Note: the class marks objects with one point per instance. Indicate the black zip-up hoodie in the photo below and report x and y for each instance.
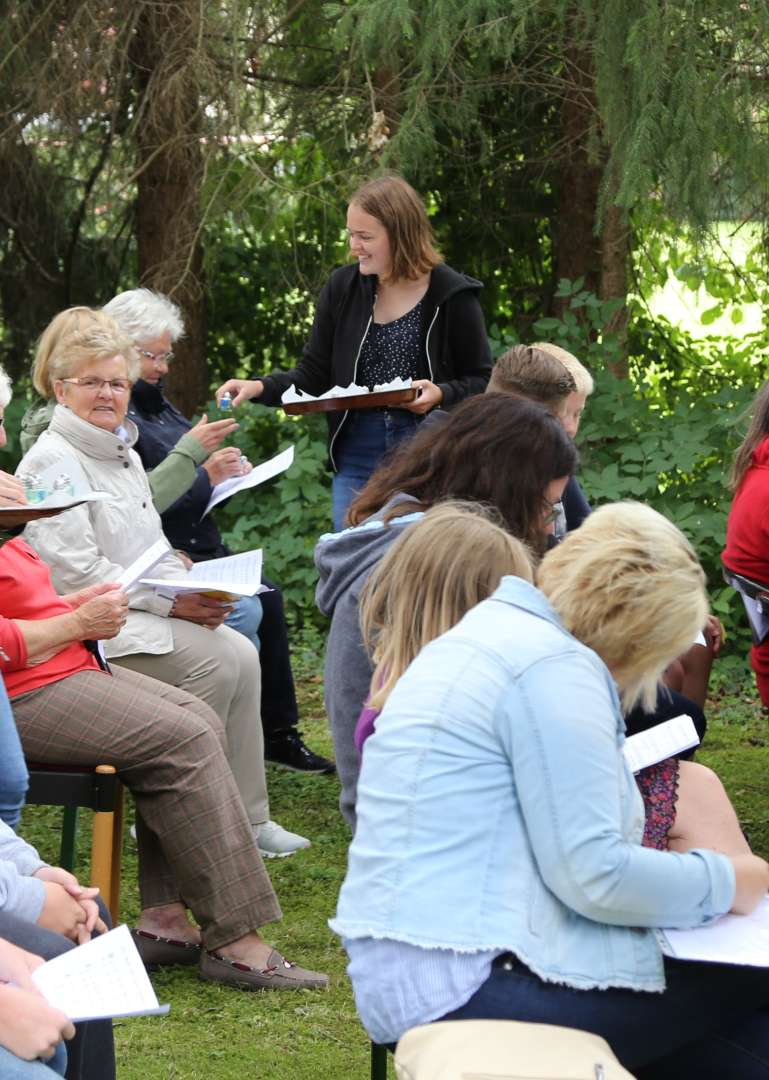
(455, 351)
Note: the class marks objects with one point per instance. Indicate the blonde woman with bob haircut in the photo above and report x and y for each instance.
(397, 311)
(433, 574)
(497, 870)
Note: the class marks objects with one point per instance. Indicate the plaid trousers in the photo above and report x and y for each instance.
(170, 749)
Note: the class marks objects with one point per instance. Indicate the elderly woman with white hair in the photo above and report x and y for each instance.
(167, 636)
(154, 323)
(496, 777)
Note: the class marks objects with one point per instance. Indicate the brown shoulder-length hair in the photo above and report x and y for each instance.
(493, 448)
(396, 205)
(757, 432)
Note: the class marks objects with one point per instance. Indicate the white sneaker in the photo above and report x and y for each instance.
(273, 841)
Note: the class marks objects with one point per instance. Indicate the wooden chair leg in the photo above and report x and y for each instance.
(106, 851)
(378, 1062)
(68, 838)
(117, 858)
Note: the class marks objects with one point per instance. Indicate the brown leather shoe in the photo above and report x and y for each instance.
(157, 951)
(279, 974)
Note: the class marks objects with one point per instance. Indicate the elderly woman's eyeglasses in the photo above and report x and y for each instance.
(95, 386)
(157, 357)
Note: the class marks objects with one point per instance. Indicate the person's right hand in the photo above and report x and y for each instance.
(29, 1027)
(223, 464)
(211, 436)
(11, 490)
(241, 390)
(61, 912)
(204, 610)
(752, 879)
(102, 616)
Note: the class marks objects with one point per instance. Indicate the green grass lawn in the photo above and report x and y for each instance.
(217, 1034)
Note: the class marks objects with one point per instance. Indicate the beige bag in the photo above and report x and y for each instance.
(504, 1050)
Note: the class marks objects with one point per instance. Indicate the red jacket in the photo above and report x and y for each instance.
(747, 530)
(26, 593)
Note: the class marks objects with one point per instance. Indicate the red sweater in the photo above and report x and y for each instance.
(26, 592)
(747, 530)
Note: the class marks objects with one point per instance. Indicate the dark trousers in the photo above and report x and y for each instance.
(711, 1022)
(280, 712)
(91, 1054)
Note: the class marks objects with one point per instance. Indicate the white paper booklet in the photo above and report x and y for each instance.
(293, 395)
(258, 475)
(141, 566)
(732, 939)
(660, 742)
(63, 499)
(104, 978)
(240, 575)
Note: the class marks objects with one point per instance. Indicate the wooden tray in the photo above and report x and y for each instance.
(381, 399)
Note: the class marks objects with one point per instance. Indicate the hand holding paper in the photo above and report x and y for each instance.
(257, 475)
(104, 978)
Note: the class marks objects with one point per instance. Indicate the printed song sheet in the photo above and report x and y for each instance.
(258, 475)
(732, 939)
(660, 742)
(238, 575)
(103, 978)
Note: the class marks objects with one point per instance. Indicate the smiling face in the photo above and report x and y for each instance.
(155, 367)
(104, 407)
(369, 242)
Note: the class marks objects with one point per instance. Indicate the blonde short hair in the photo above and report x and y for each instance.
(438, 569)
(627, 583)
(582, 377)
(95, 342)
(72, 321)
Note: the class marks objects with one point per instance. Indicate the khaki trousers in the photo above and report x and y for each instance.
(195, 841)
(221, 667)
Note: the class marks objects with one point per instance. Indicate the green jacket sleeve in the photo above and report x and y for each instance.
(176, 474)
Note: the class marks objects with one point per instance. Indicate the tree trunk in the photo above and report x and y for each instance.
(577, 245)
(615, 252)
(170, 163)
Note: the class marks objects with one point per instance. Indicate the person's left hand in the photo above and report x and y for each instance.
(430, 396)
(16, 965)
(84, 895)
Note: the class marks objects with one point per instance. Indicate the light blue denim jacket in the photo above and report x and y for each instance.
(496, 811)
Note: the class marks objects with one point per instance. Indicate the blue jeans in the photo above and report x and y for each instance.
(14, 778)
(364, 440)
(15, 1068)
(246, 617)
(711, 1023)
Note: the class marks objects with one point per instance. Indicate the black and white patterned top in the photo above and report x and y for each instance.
(391, 350)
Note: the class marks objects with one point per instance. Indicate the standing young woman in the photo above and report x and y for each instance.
(398, 311)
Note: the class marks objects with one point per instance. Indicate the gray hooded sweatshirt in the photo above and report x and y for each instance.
(344, 561)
